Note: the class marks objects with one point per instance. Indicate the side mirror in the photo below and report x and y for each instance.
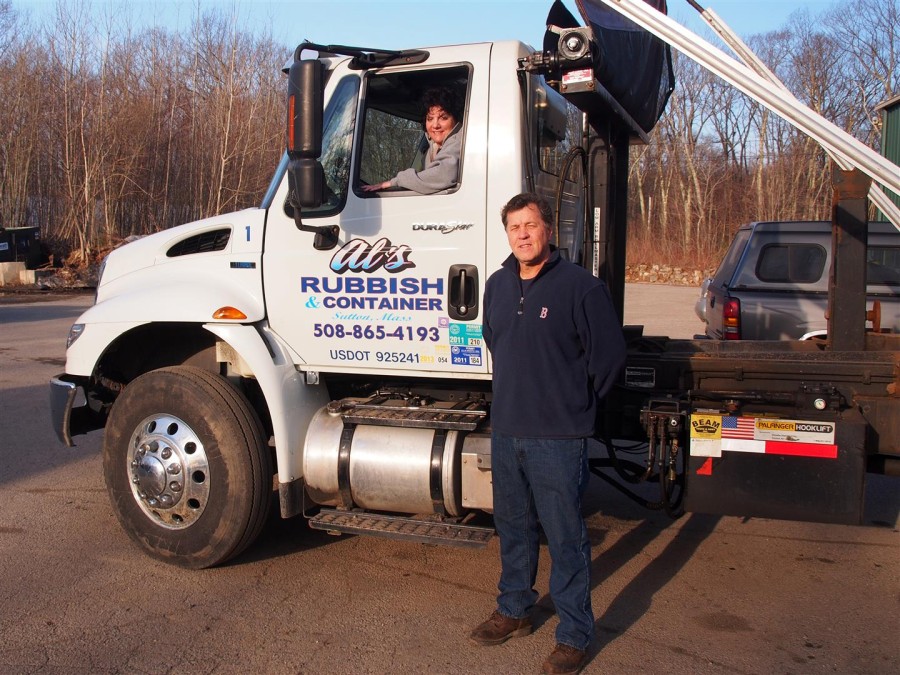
(306, 177)
(306, 182)
(305, 104)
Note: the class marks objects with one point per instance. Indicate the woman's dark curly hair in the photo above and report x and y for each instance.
(445, 98)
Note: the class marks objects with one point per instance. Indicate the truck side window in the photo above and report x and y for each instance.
(555, 130)
(883, 265)
(393, 137)
(791, 263)
(556, 126)
(391, 143)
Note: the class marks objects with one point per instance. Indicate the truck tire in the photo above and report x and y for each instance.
(187, 466)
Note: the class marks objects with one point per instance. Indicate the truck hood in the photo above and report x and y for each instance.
(185, 273)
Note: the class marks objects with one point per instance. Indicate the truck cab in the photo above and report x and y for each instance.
(399, 291)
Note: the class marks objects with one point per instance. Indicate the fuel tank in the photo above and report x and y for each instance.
(383, 468)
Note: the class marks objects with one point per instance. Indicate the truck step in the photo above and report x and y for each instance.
(391, 409)
(465, 420)
(399, 527)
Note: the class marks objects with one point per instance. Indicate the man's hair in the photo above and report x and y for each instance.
(442, 97)
(524, 200)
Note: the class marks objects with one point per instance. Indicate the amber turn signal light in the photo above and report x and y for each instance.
(229, 313)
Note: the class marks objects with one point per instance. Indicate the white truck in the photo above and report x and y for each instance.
(350, 340)
(331, 337)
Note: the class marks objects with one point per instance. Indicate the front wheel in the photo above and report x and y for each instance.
(187, 466)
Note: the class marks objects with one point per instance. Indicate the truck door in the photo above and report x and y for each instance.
(401, 290)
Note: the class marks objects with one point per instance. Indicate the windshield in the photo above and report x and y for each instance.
(337, 145)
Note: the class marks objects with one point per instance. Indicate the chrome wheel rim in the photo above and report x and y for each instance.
(168, 471)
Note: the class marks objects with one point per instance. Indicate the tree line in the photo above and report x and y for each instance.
(107, 132)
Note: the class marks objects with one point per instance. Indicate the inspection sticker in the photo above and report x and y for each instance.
(465, 334)
(465, 356)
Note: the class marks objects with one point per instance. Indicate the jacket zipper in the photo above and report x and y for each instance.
(521, 298)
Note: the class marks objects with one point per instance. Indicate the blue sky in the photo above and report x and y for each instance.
(395, 24)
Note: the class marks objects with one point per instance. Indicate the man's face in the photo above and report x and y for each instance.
(529, 236)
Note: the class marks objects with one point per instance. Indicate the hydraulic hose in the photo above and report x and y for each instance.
(567, 161)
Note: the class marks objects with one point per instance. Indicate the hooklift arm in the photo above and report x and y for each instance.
(828, 135)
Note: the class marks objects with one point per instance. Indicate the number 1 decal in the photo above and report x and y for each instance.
(248, 232)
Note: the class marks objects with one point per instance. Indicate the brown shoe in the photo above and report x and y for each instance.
(564, 660)
(499, 628)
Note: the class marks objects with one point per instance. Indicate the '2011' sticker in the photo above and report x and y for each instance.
(465, 356)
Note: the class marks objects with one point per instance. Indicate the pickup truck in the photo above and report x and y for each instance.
(773, 282)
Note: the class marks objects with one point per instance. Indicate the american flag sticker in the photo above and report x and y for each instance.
(738, 427)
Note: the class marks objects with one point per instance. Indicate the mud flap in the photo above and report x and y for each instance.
(776, 474)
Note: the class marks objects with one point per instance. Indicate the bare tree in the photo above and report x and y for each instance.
(19, 116)
(872, 47)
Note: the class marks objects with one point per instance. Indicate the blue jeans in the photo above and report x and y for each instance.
(538, 483)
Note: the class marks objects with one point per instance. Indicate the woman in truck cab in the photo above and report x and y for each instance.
(438, 167)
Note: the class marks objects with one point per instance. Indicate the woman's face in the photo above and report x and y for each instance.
(438, 124)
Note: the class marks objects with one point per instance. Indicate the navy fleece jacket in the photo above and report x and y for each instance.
(557, 349)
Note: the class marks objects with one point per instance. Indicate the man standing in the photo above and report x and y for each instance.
(557, 347)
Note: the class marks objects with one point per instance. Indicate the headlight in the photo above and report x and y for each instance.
(74, 333)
